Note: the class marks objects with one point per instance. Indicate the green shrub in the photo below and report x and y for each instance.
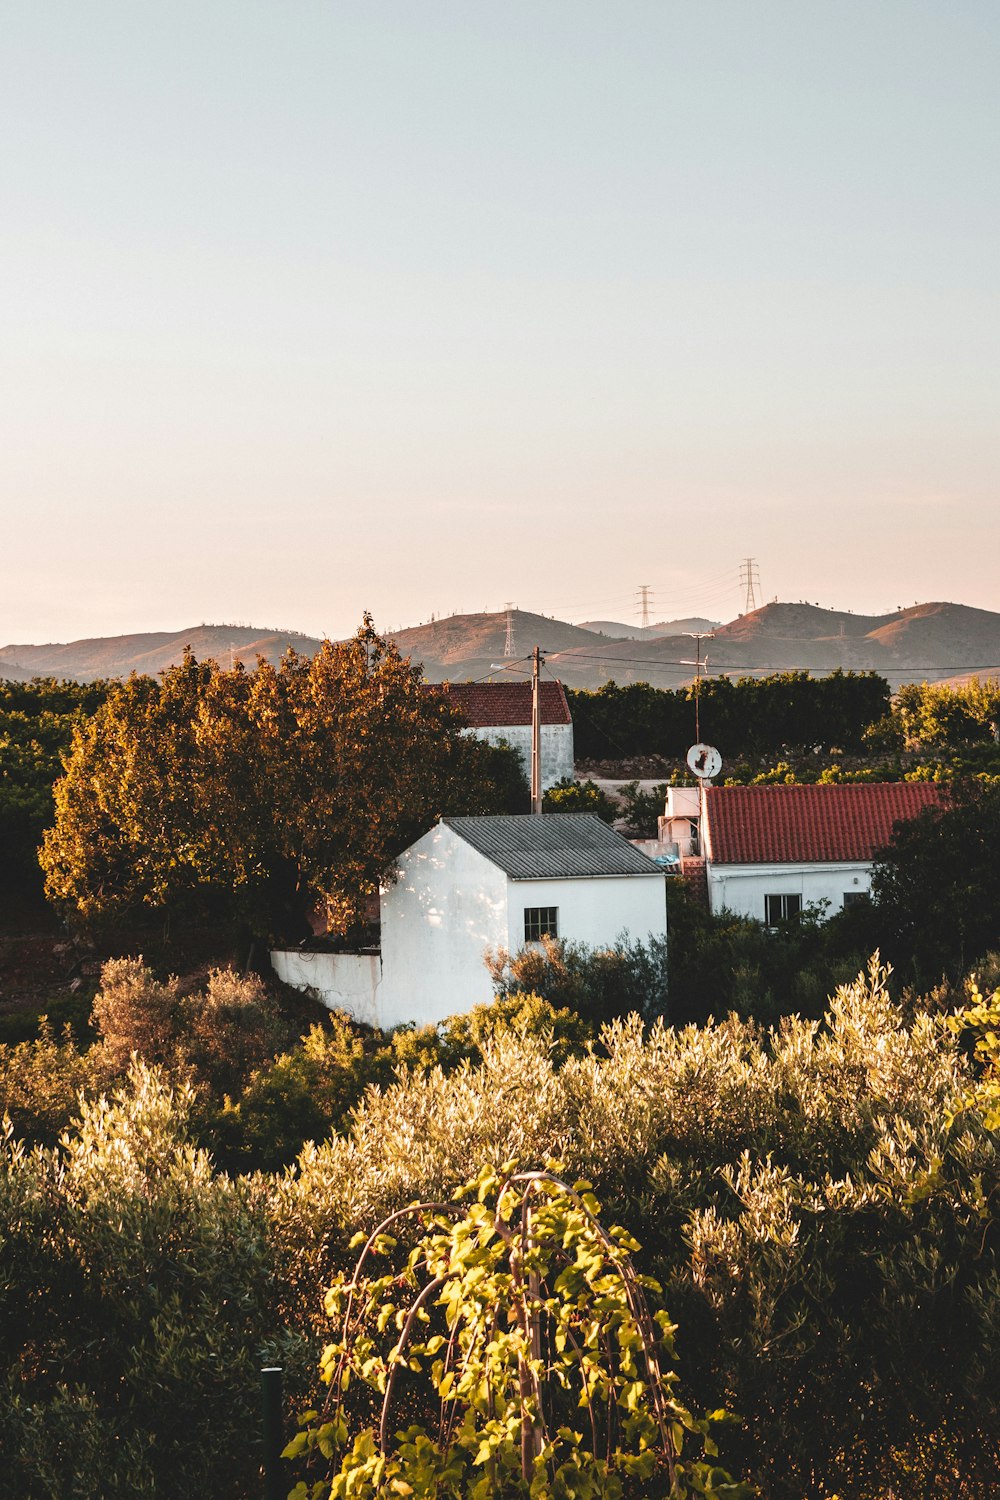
(570, 796)
(597, 984)
(133, 1305)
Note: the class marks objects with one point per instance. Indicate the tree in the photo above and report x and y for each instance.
(569, 796)
(36, 729)
(521, 1322)
(596, 984)
(937, 886)
(261, 794)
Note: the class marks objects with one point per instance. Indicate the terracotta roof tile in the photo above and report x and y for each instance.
(502, 704)
(809, 824)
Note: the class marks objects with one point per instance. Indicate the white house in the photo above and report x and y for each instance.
(498, 711)
(770, 851)
(480, 883)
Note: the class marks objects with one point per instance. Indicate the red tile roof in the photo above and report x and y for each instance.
(809, 824)
(502, 704)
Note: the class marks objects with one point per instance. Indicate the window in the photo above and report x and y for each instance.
(781, 908)
(852, 897)
(539, 922)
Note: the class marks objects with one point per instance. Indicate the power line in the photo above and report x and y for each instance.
(646, 661)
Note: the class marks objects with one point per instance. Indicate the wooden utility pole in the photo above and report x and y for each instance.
(536, 735)
(698, 637)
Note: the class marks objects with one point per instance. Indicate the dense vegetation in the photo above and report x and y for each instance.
(37, 720)
(263, 795)
(751, 716)
(200, 736)
(817, 1200)
(813, 1182)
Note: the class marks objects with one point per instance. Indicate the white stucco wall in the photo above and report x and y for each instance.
(446, 908)
(556, 746)
(593, 911)
(342, 981)
(742, 888)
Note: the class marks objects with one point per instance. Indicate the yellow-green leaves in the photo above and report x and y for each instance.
(523, 1323)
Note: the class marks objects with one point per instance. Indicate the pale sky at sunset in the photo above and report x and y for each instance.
(307, 308)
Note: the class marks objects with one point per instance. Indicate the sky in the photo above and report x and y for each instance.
(309, 307)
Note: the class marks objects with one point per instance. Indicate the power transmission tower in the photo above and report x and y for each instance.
(508, 645)
(750, 579)
(642, 595)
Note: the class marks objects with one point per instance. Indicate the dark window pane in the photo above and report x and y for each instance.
(779, 908)
(539, 922)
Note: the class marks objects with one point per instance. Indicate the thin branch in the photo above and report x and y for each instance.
(395, 1359)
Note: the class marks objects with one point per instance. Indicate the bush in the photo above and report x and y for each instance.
(311, 1091)
(232, 1027)
(848, 1315)
(41, 1082)
(817, 1198)
(215, 1036)
(536, 1311)
(569, 796)
(132, 1308)
(641, 811)
(597, 984)
(134, 1013)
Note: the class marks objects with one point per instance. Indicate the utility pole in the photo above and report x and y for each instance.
(536, 734)
(705, 635)
(750, 577)
(642, 595)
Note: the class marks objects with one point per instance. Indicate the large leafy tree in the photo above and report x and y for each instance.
(36, 728)
(264, 792)
(937, 885)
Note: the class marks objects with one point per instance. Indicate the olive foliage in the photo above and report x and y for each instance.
(817, 1199)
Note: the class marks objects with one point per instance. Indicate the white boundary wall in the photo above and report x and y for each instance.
(342, 981)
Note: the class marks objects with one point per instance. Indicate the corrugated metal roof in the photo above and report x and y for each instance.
(748, 825)
(552, 846)
(489, 705)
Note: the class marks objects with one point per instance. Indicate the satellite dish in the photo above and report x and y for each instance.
(705, 761)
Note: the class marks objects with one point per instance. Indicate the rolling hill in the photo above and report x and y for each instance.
(927, 641)
(152, 652)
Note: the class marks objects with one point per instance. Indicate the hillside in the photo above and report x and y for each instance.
(467, 645)
(619, 631)
(10, 671)
(927, 641)
(152, 651)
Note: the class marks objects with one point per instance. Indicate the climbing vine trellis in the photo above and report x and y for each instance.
(517, 1335)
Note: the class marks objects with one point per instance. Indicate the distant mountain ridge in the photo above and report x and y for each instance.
(153, 651)
(926, 641)
(618, 630)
